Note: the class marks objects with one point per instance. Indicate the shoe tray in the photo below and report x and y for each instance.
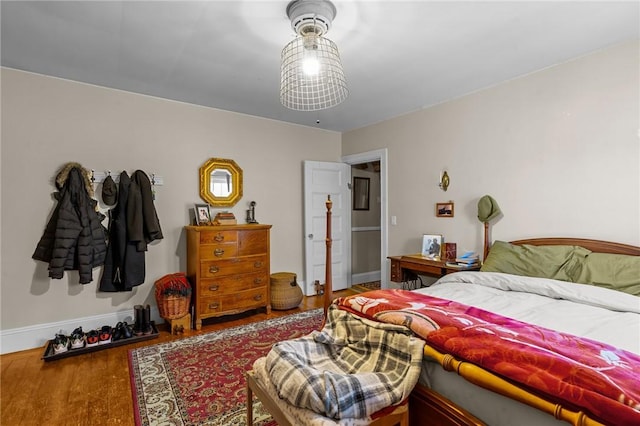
(49, 354)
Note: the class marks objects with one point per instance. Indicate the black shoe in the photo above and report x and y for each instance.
(127, 331)
(93, 338)
(146, 325)
(60, 344)
(122, 330)
(105, 335)
(117, 332)
(77, 339)
(139, 319)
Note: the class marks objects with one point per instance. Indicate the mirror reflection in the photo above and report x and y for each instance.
(220, 182)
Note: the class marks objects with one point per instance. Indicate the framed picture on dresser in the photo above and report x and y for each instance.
(203, 217)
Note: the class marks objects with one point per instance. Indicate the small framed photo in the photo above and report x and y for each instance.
(203, 217)
(432, 246)
(444, 209)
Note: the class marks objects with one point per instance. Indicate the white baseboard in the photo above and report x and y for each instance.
(36, 336)
(365, 277)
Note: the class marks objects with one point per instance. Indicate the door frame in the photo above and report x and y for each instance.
(364, 157)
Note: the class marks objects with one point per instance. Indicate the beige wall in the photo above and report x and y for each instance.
(558, 149)
(47, 122)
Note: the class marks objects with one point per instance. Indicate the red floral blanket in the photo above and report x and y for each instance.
(579, 373)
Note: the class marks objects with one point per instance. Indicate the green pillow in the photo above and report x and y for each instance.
(556, 262)
(615, 271)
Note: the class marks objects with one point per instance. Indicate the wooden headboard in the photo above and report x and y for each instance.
(596, 246)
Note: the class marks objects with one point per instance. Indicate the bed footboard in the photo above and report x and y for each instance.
(487, 380)
(431, 408)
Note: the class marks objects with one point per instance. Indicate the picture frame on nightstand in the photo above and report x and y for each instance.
(432, 246)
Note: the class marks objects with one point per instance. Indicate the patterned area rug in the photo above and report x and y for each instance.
(361, 288)
(200, 380)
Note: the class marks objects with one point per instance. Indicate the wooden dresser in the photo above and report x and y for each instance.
(228, 267)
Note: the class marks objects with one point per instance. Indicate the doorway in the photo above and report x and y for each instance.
(369, 227)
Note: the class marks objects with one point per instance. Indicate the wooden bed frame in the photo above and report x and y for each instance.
(429, 407)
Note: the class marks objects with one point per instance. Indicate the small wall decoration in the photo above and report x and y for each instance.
(432, 246)
(203, 217)
(444, 209)
(360, 193)
(444, 181)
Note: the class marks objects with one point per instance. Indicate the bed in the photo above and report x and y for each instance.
(456, 390)
(596, 311)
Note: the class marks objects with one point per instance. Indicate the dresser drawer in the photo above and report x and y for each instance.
(213, 236)
(216, 268)
(245, 299)
(253, 242)
(218, 251)
(232, 284)
(210, 305)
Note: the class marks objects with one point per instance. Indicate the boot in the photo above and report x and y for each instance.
(146, 325)
(139, 320)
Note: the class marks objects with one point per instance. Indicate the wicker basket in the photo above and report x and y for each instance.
(285, 291)
(173, 306)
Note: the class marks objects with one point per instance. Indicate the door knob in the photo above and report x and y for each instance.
(311, 236)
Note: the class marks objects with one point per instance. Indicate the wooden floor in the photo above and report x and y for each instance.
(93, 388)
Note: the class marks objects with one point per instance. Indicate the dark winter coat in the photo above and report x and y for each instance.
(74, 238)
(133, 224)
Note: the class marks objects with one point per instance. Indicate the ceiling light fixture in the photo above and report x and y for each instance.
(311, 74)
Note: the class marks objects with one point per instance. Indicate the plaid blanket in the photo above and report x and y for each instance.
(351, 369)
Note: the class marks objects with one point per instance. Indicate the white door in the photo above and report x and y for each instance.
(320, 180)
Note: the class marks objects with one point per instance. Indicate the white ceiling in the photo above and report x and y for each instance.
(399, 56)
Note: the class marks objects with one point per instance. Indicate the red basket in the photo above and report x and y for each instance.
(173, 295)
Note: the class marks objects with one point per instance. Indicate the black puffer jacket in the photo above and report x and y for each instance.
(74, 238)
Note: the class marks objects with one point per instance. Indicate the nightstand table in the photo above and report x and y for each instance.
(406, 268)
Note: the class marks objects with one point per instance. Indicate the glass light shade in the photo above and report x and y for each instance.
(323, 88)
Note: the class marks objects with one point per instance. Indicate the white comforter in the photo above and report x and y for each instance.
(583, 310)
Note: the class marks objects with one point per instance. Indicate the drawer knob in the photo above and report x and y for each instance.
(218, 252)
(258, 280)
(257, 297)
(257, 264)
(214, 288)
(213, 269)
(213, 306)
(219, 237)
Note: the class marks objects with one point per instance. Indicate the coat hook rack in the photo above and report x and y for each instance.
(99, 177)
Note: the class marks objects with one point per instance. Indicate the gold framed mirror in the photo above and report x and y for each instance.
(220, 182)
